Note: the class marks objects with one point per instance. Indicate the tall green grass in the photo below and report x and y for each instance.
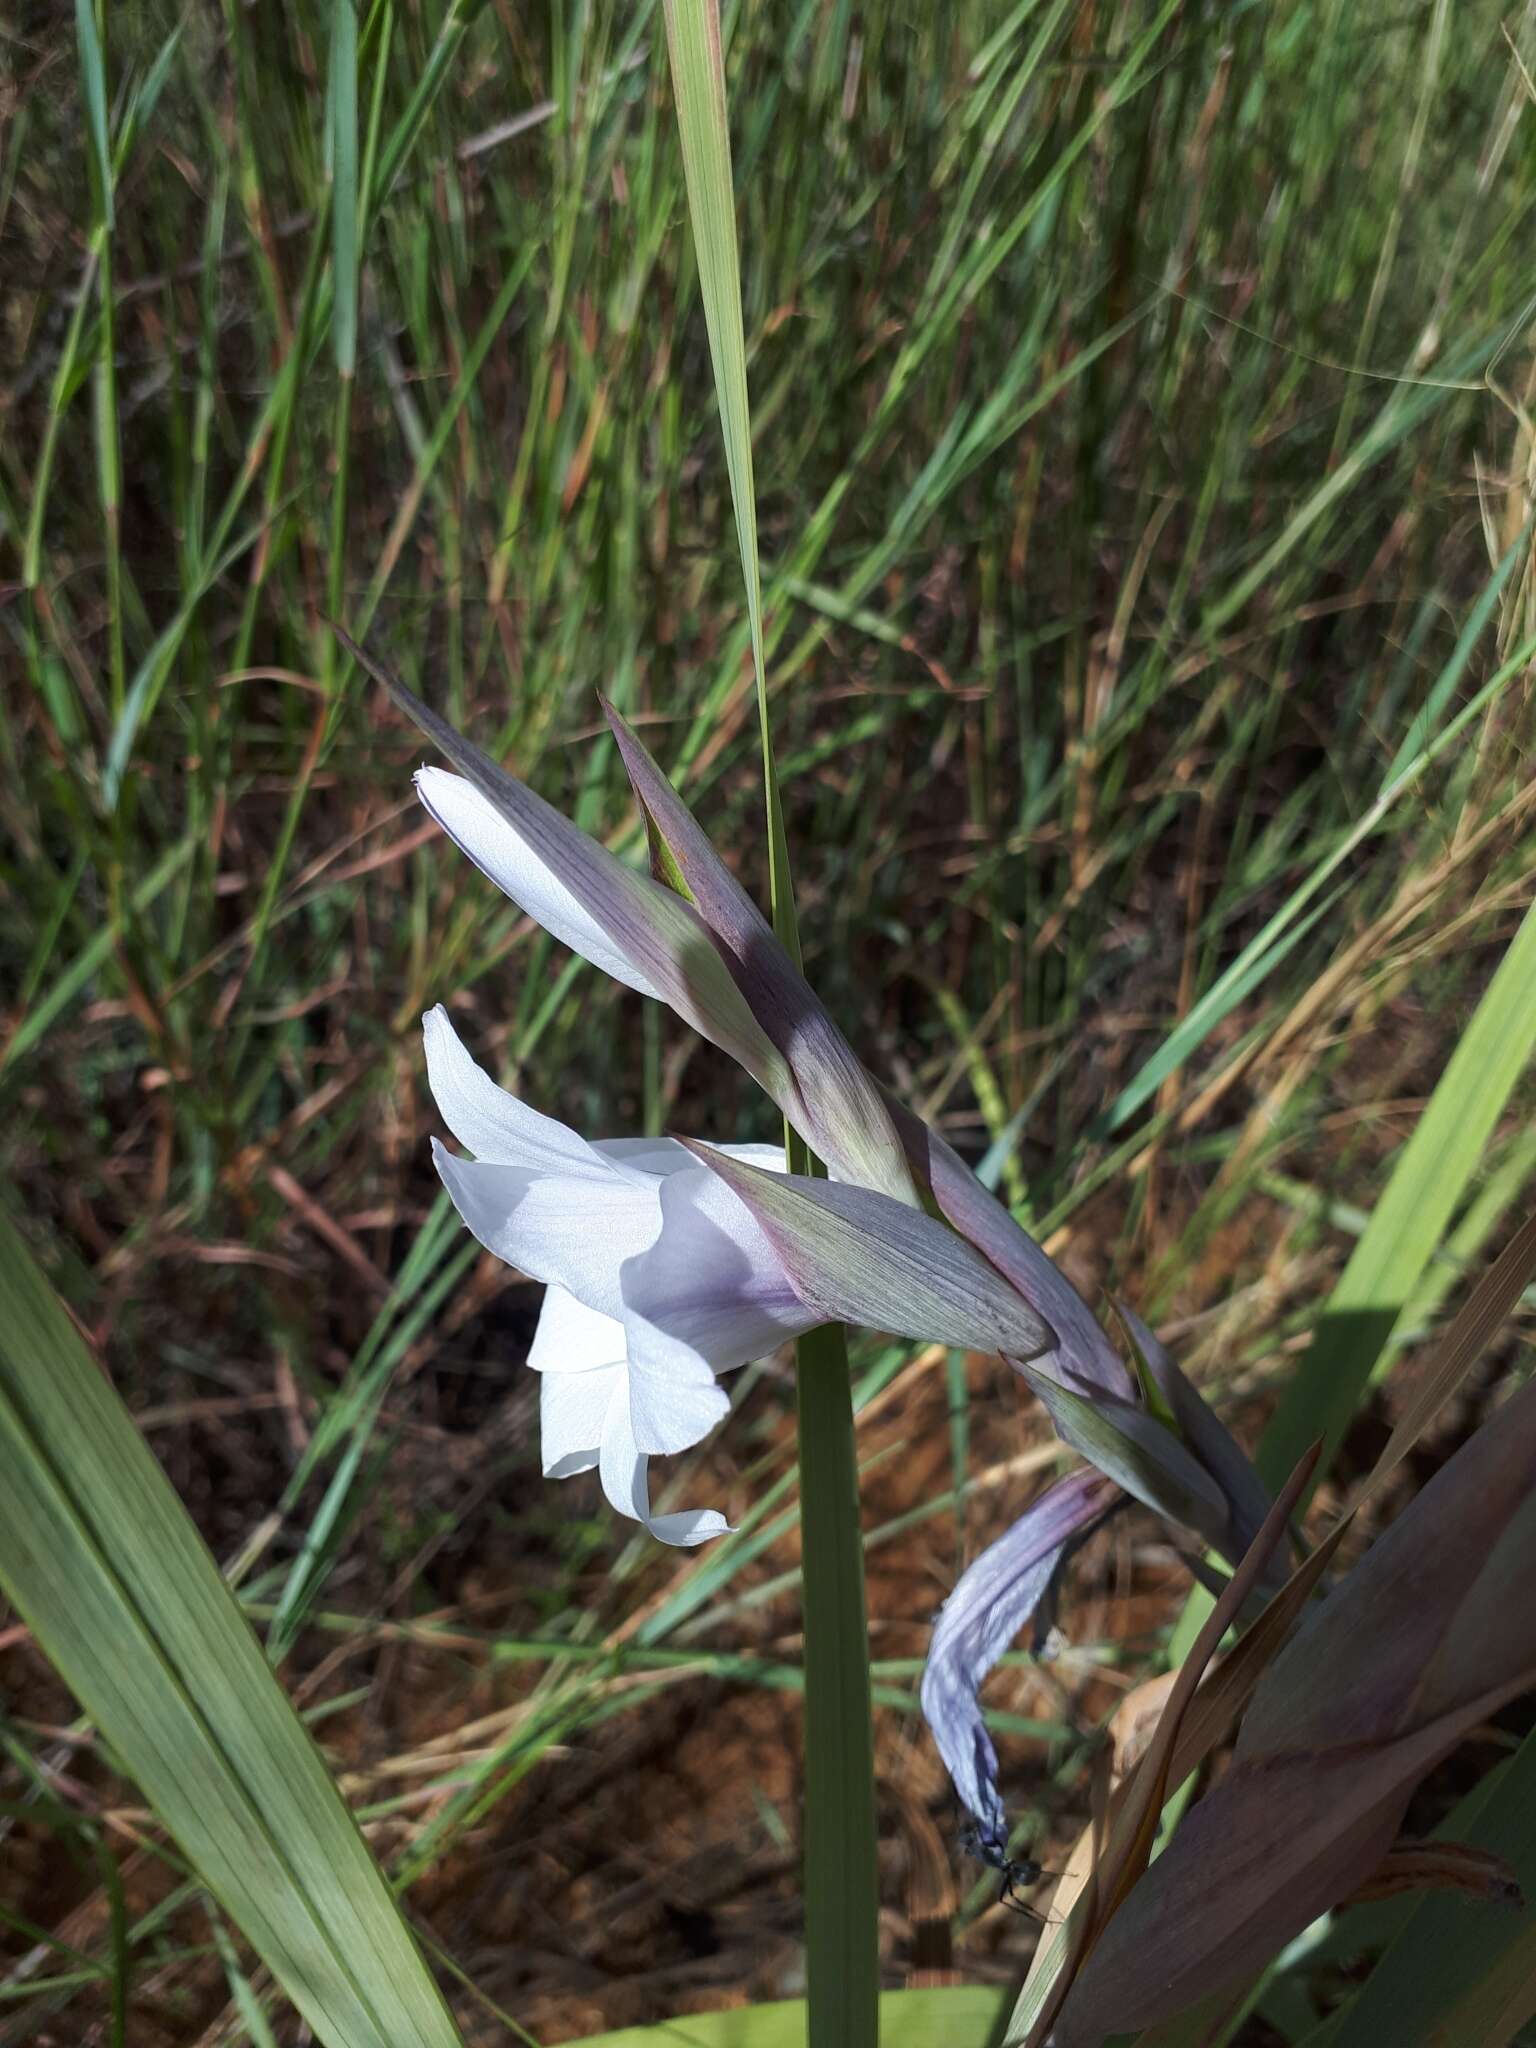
(1139, 444)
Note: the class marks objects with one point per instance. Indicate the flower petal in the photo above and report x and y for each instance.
(856, 1256)
(574, 1338)
(989, 1606)
(581, 1357)
(505, 856)
(561, 1227)
(573, 1407)
(674, 1405)
(631, 926)
(627, 1485)
(662, 1156)
(708, 1295)
(493, 1124)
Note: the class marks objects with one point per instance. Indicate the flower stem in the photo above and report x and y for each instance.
(842, 1889)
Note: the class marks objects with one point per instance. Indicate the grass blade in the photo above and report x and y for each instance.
(341, 148)
(1429, 1178)
(93, 80)
(100, 1557)
(698, 85)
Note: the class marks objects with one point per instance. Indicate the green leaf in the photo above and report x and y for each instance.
(341, 149)
(698, 86)
(841, 1879)
(841, 1826)
(93, 81)
(957, 2016)
(101, 1558)
(1428, 1180)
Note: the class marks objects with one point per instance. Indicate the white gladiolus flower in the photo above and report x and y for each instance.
(658, 1278)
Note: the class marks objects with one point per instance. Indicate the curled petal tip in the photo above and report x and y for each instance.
(988, 1608)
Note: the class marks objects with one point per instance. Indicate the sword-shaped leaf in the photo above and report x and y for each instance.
(101, 1558)
(1429, 1634)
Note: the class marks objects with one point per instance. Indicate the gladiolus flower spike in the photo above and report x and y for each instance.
(668, 1263)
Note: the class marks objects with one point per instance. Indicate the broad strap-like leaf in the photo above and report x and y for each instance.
(1455, 1974)
(1259, 1859)
(1393, 1638)
(1431, 1632)
(101, 1558)
(1128, 1848)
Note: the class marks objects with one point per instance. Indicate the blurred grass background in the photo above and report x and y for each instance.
(1144, 461)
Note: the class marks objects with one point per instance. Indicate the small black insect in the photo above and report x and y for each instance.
(1017, 1872)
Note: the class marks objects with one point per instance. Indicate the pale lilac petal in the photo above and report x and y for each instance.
(580, 1355)
(643, 934)
(709, 1294)
(662, 1156)
(573, 1407)
(492, 1124)
(988, 1608)
(675, 1404)
(655, 1156)
(767, 1158)
(573, 1232)
(572, 1337)
(626, 1483)
(505, 855)
(623, 921)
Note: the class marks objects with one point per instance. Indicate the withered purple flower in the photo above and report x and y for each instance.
(988, 1608)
